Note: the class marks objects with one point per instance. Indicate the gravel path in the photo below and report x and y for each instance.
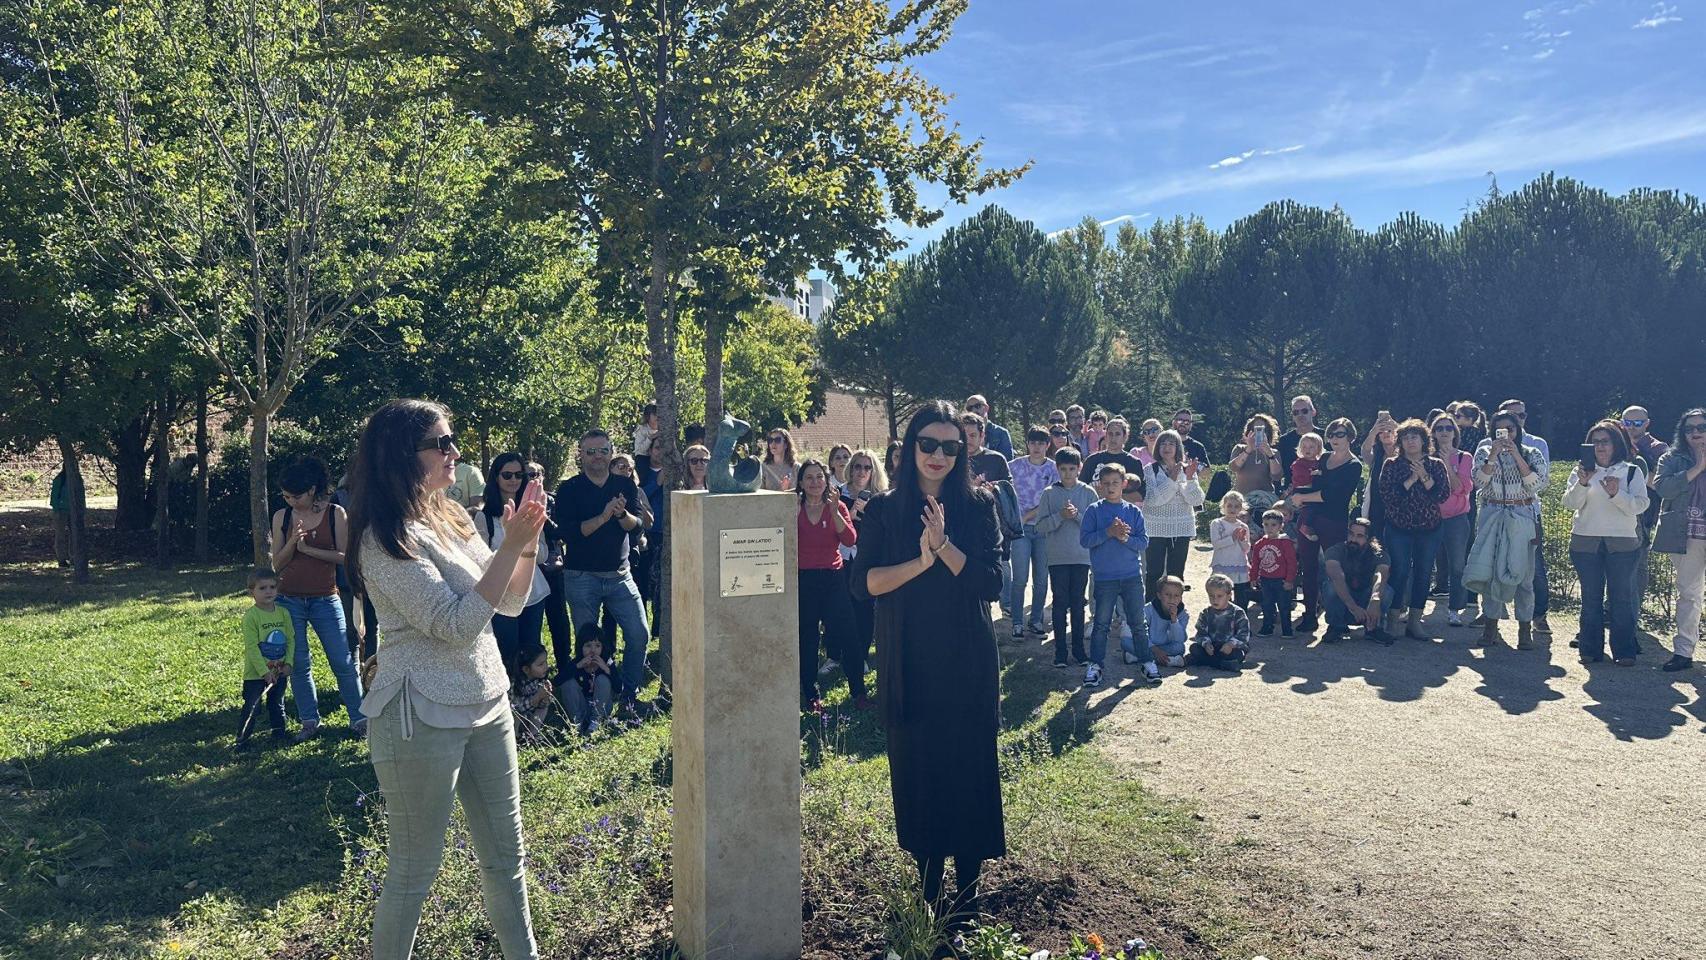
(1437, 801)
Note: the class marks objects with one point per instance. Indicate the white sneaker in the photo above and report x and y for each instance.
(1456, 619)
(1176, 660)
(1129, 658)
(1151, 672)
(1093, 675)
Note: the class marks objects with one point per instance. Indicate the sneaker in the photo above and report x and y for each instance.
(1060, 663)
(1455, 619)
(308, 732)
(1152, 673)
(1480, 621)
(1092, 676)
(1128, 657)
(1266, 631)
(1176, 660)
(1541, 626)
(1018, 632)
(1382, 637)
(1624, 661)
(359, 729)
(1308, 625)
(1334, 636)
(1676, 663)
(1037, 631)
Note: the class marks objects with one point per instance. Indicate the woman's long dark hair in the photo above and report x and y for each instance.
(387, 483)
(494, 505)
(1619, 438)
(1681, 441)
(956, 495)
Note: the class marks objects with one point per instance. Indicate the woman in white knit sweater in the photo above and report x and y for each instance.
(1609, 494)
(1170, 505)
(439, 726)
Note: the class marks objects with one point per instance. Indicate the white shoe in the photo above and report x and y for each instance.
(1151, 672)
(1129, 658)
(1176, 660)
(1093, 675)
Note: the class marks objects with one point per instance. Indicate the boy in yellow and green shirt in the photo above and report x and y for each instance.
(269, 652)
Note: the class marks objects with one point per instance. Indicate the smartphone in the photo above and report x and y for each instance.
(864, 495)
(1503, 433)
(1261, 434)
(1384, 415)
(1589, 461)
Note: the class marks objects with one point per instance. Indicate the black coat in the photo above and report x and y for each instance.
(938, 678)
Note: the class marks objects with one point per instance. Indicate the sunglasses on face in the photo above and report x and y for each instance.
(1338, 435)
(535, 475)
(949, 448)
(1058, 434)
(1634, 423)
(443, 444)
(512, 475)
(860, 467)
(1301, 412)
(595, 451)
(1151, 431)
(1445, 428)
(777, 439)
(698, 461)
(1694, 429)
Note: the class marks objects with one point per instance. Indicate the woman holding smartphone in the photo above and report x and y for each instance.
(865, 479)
(1255, 463)
(1608, 494)
(1681, 532)
(1509, 476)
(826, 608)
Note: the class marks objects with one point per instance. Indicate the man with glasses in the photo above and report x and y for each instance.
(596, 513)
(1183, 421)
(1303, 421)
(1542, 590)
(1639, 423)
(1075, 428)
(996, 436)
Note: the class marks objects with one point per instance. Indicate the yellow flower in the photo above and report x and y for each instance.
(175, 946)
(1096, 943)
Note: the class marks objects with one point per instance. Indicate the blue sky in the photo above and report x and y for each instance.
(1148, 110)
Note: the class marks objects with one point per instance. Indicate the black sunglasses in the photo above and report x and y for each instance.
(514, 475)
(1446, 428)
(778, 439)
(1694, 428)
(949, 448)
(1151, 431)
(1338, 434)
(696, 461)
(535, 475)
(443, 443)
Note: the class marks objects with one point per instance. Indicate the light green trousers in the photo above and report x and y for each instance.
(420, 777)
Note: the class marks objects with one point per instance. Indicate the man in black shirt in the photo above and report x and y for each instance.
(1183, 420)
(595, 513)
(1303, 418)
(1353, 584)
(987, 466)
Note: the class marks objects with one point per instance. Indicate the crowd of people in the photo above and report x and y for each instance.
(461, 574)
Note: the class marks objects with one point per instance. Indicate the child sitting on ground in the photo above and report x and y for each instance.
(1273, 565)
(1167, 622)
(588, 690)
(1230, 534)
(529, 694)
(1223, 629)
(269, 653)
(1305, 472)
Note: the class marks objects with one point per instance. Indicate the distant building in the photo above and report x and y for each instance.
(807, 299)
(847, 418)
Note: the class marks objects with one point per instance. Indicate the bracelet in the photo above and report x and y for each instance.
(938, 551)
(529, 555)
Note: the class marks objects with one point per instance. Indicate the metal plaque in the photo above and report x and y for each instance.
(751, 561)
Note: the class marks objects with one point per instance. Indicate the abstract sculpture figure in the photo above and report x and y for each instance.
(726, 477)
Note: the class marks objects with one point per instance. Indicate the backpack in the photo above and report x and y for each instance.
(1219, 485)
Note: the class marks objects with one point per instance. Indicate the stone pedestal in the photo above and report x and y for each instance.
(736, 730)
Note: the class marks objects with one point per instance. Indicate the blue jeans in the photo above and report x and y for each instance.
(1028, 563)
(1339, 615)
(587, 593)
(1276, 604)
(1607, 579)
(1412, 553)
(1129, 592)
(1453, 555)
(326, 615)
(515, 634)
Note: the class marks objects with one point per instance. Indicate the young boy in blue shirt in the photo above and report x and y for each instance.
(1112, 530)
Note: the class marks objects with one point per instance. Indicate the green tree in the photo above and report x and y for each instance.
(1018, 314)
(1266, 309)
(263, 189)
(860, 338)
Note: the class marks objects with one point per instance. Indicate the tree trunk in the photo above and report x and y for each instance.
(201, 454)
(666, 456)
(890, 402)
(260, 520)
(77, 538)
(162, 481)
(716, 329)
(130, 469)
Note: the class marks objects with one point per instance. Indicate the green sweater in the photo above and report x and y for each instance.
(264, 633)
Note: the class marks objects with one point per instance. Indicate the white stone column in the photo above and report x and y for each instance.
(735, 725)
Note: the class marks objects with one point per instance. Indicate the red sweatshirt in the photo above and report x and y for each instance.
(819, 541)
(1274, 558)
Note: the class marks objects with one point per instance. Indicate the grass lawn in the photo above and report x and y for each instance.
(130, 829)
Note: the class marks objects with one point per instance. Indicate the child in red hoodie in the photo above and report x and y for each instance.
(1273, 565)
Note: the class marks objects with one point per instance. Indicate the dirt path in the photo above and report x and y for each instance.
(1444, 802)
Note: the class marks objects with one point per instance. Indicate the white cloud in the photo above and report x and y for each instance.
(1546, 53)
(1528, 142)
(1662, 14)
(1240, 158)
(1105, 224)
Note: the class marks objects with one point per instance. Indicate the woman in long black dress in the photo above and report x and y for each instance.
(928, 554)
